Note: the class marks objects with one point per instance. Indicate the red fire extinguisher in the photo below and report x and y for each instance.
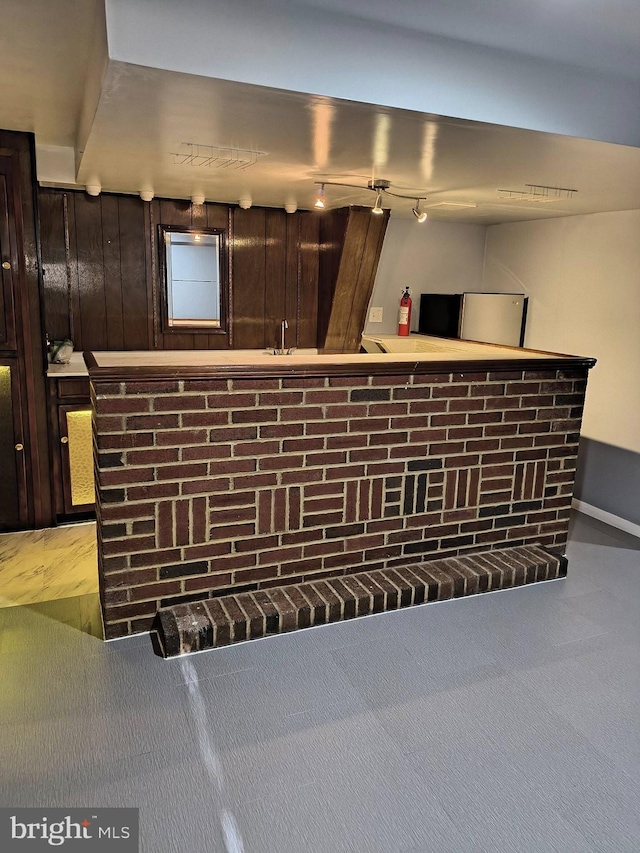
(404, 314)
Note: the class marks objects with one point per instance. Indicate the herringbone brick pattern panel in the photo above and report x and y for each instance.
(215, 486)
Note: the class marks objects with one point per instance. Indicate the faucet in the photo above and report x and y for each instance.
(282, 351)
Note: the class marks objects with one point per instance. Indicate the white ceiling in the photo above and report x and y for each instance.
(144, 116)
(45, 49)
(600, 34)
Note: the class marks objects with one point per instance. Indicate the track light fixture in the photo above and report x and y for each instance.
(379, 186)
(420, 215)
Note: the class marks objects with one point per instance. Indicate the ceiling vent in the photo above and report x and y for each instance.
(216, 157)
(537, 193)
(450, 205)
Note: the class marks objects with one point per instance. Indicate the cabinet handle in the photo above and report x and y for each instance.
(19, 447)
(64, 439)
(6, 265)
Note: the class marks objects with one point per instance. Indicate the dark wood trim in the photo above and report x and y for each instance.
(230, 242)
(90, 360)
(151, 274)
(167, 329)
(7, 242)
(35, 347)
(54, 450)
(316, 367)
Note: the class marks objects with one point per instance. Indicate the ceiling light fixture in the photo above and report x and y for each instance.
(379, 186)
(93, 189)
(291, 207)
(245, 202)
(197, 199)
(420, 215)
(146, 195)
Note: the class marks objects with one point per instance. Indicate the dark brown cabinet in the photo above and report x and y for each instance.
(8, 263)
(13, 482)
(13, 473)
(25, 496)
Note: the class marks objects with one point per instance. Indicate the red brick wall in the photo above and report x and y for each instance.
(207, 486)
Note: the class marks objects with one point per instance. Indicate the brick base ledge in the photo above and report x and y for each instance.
(217, 622)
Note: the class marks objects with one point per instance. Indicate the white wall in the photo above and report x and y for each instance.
(582, 276)
(433, 257)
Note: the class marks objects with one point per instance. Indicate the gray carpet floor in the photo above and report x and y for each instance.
(504, 722)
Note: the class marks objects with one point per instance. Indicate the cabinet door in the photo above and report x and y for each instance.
(13, 482)
(76, 448)
(7, 319)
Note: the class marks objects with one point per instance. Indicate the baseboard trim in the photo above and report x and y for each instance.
(127, 636)
(607, 517)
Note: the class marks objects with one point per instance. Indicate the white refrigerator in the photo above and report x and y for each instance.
(493, 318)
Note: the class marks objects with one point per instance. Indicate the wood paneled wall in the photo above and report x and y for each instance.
(351, 242)
(101, 271)
(26, 354)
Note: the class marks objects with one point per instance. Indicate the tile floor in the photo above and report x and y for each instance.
(504, 722)
(43, 565)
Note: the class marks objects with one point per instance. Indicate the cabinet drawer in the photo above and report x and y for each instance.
(73, 388)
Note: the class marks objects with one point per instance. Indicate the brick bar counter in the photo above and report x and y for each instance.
(230, 472)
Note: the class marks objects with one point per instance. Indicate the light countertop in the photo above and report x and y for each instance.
(431, 355)
(76, 367)
(424, 349)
